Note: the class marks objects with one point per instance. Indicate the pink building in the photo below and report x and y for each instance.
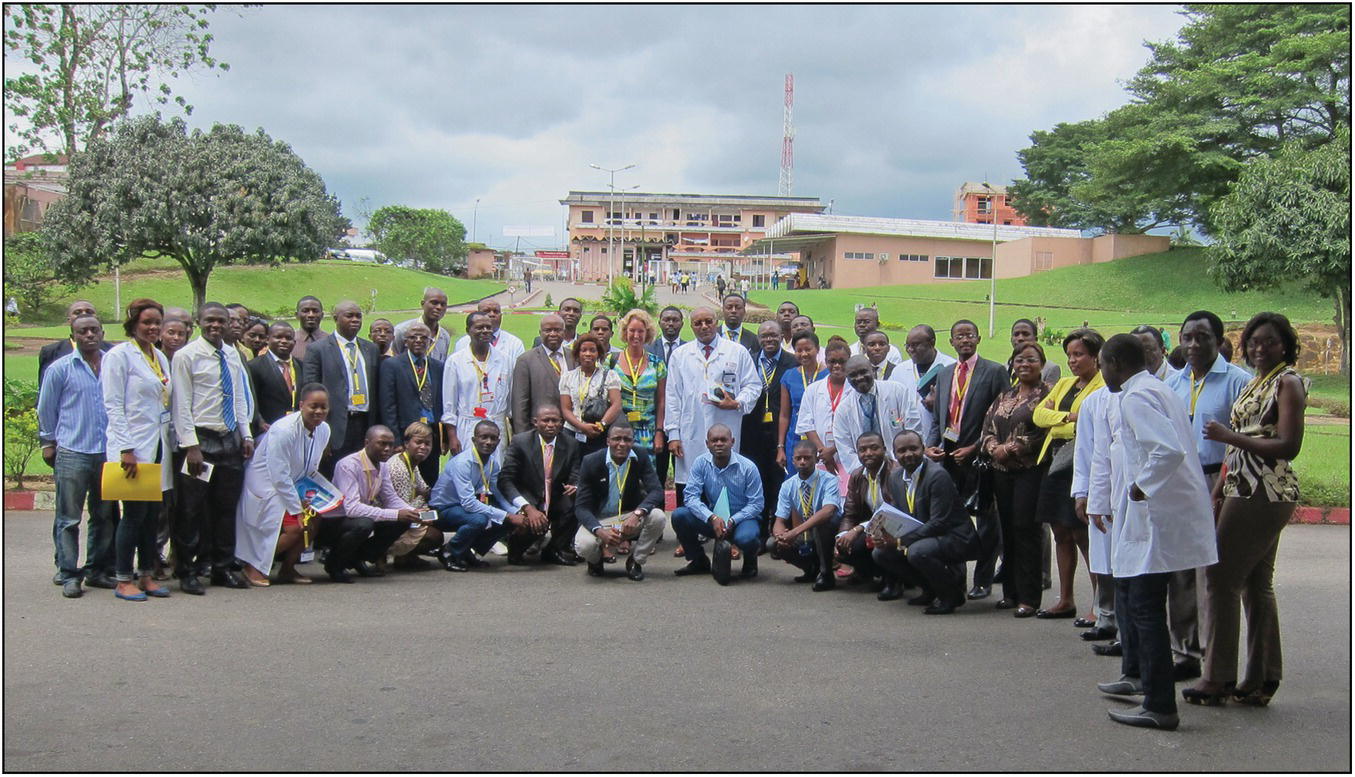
(980, 203)
(660, 234)
(31, 185)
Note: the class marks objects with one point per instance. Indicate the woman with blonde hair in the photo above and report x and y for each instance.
(644, 376)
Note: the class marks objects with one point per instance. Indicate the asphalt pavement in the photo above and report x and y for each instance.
(531, 668)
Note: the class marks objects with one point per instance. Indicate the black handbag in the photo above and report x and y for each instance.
(1062, 461)
(595, 405)
(979, 486)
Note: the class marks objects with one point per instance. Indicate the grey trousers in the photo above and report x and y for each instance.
(651, 527)
(1183, 607)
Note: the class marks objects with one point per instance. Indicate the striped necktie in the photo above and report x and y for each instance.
(227, 392)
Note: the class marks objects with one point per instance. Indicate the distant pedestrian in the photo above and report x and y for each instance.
(743, 287)
(527, 280)
(776, 281)
(685, 281)
(720, 286)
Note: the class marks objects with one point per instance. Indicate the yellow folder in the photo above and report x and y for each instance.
(145, 487)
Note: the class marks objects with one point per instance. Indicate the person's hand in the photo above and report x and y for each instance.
(517, 523)
(409, 515)
(608, 537)
(718, 526)
(630, 528)
(453, 443)
(128, 464)
(781, 456)
(1072, 417)
(962, 454)
(828, 455)
(49, 455)
(935, 453)
(1101, 522)
(660, 441)
(882, 537)
(1001, 453)
(1217, 432)
(305, 503)
(844, 543)
(193, 458)
(263, 427)
(247, 448)
(728, 403)
(571, 489)
(675, 448)
(536, 520)
(1135, 493)
(1080, 508)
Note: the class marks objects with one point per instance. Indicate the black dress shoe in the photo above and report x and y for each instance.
(338, 575)
(939, 609)
(891, 592)
(71, 588)
(594, 570)
(190, 584)
(1098, 633)
(693, 568)
(1055, 614)
(366, 570)
(1109, 649)
(100, 581)
(1006, 604)
(472, 561)
(551, 557)
(453, 563)
(749, 570)
(1185, 670)
(825, 581)
(635, 571)
(228, 578)
(805, 578)
(980, 592)
(923, 599)
(517, 559)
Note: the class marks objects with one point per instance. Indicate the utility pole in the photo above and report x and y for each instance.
(611, 203)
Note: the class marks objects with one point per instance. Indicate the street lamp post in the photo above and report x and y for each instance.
(992, 269)
(474, 218)
(611, 203)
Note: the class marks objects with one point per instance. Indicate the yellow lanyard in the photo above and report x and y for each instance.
(873, 489)
(409, 466)
(1195, 392)
(620, 483)
(807, 501)
(353, 362)
(912, 489)
(1260, 381)
(766, 376)
(484, 478)
(420, 376)
(634, 378)
(159, 373)
(586, 388)
(804, 377)
(291, 373)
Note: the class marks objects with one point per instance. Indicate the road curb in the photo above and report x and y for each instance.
(30, 500)
(1339, 516)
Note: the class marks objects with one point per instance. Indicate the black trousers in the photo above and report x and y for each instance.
(354, 439)
(937, 561)
(860, 559)
(204, 521)
(352, 539)
(985, 520)
(820, 557)
(661, 466)
(1141, 611)
(1015, 495)
(563, 526)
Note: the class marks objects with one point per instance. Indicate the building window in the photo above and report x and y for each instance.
(588, 217)
(913, 257)
(974, 267)
(759, 220)
(858, 255)
(1007, 222)
(984, 204)
(677, 214)
(949, 267)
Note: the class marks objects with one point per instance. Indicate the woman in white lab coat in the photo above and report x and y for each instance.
(269, 521)
(135, 381)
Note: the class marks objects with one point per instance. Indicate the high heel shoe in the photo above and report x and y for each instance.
(1205, 698)
(1257, 697)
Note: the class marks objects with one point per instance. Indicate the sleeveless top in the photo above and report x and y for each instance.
(1255, 414)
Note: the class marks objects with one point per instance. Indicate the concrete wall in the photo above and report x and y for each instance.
(1107, 248)
(480, 263)
(1019, 258)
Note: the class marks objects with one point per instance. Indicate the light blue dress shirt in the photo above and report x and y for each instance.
(461, 483)
(71, 406)
(1222, 385)
(741, 477)
(823, 490)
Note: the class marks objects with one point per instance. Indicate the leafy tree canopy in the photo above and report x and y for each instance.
(429, 239)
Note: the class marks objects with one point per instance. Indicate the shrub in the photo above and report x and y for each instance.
(621, 297)
(21, 427)
(549, 303)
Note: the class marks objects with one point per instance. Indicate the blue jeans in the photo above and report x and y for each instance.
(472, 530)
(136, 537)
(77, 484)
(690, 528)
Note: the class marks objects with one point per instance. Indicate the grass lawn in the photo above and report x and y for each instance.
(1324, 465)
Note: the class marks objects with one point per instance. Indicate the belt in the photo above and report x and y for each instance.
(1212, 469)
(362, 414)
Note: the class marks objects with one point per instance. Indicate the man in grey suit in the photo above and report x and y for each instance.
(964, 391)
(347, 366)
(670, 327)
(536, 376)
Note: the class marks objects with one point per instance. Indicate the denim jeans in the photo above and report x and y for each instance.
(689, 529)
(472, 530)
(136, 537)
(77, 484)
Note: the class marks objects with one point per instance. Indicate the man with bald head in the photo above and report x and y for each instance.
(536, 375)
(434, 308)
(347, 366)
(410, 389)
(372, 516)
(720, 479)
(503, 342)
(711, 380)
(53, 351)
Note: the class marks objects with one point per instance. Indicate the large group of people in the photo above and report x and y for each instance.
(854, 462)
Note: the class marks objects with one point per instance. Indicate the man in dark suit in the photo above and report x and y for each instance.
(536, 376)
(571, 310)
(619, 498)
(670, 331)
(964, 391)
(347, 366)
(543, 495)
(735, 307)
(758, 429)
(53, 351)
(409, 386)
(276, 377)
(935, 552)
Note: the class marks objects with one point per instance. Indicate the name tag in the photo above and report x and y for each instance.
(164, 417)
(484, 498)
(952, 434)
(357, 399)
(767, 417)
(633, 415)
(426, 416)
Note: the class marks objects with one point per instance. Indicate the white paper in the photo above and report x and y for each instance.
(205, 475)
(894, 521)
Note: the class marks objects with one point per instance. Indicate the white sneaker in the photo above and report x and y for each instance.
(499, 549)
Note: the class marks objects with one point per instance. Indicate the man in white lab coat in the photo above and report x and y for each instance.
(696, 370)
(1164, 524)
(871, 405)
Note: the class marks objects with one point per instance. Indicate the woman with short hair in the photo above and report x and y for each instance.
(590, 395)
(644, 378)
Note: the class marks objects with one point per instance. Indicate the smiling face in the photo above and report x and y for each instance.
(212, 321)
(588, 356)
(620, 440)
(836, 361)
(314, 408)
(861, 374)
(481, 330)
(908, 450)
(485, 439)
(1264, 348)
(921, 347)
(769, 337)
(256, 337)
(807, 355)
(635, 334)
(281, 340)
(870, 449)
(964, 338)
(1027, 365)
(147, 329)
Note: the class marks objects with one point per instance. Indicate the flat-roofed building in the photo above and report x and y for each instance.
(660, 234)
(851, 252)
(981, 203)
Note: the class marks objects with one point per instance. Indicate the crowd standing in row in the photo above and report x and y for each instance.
(1171, 485)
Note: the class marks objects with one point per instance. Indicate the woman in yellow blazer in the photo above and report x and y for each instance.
(1058, 414)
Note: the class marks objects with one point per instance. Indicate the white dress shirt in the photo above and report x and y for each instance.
(464, 389)
(506, 342)
(361, 369)
(893, 356)
(196, 391)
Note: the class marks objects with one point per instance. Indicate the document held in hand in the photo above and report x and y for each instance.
(323, 495)
(145, 487)
(894, 521)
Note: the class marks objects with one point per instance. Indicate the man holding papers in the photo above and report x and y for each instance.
(808, 510)
(942, 537)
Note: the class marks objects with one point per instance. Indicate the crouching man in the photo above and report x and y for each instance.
(618, 499)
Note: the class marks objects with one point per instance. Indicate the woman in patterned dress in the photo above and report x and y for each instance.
(644, 377)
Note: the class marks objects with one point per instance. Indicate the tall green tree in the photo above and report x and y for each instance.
(204, 199)
(92, 62)
(1288, 219)
(429, 239)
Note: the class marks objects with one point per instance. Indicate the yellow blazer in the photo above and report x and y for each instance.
(1047, 416)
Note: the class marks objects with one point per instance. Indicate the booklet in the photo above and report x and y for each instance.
(894, 521)
(323, 495)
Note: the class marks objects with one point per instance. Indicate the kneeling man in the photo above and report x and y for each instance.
(539, 470)
(934, 552)
(619, 498)
(470, 506)
(719, 481)
(808, 511)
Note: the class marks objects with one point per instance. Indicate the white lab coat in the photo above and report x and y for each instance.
(688, 413)
(906, 374)
(285, 454)
(1092, 470)
(1173, 527)
(134, 401)
(897, 408)
(461, 393)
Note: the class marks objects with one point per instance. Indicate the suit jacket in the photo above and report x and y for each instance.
(399, 392)
(857, 510)
(657, 349)
(641, 489)
(937, 503)
(758, 440)
(746, 339)
(53, 351)
(272, 399)
(325, 363)
(989, 380)
(535, 382)
(524, 472)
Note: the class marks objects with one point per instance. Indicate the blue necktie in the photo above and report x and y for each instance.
(868, 411)
(227, 393)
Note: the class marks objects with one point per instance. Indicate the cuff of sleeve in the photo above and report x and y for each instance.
(519, 501)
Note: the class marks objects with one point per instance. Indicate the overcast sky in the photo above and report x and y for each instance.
(436, 106)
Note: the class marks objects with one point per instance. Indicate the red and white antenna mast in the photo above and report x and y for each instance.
(787, 141)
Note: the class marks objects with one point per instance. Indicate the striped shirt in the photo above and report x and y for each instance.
(71, 406)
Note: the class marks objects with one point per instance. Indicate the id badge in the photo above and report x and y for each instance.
(952, 435)
(484, 498)
(767, 417)
(426, 416)
(633, 415)
(164, 417)
(357, 399)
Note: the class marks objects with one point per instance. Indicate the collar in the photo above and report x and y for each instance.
(342, 341)
(278, 359)
(675, 342)
(971, 361)
(611, 462)
(1137, 378)
(883, 471)
(915, 475)
(733, 457)
(1220, 364)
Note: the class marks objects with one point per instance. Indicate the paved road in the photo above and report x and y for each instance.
(535, 669)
